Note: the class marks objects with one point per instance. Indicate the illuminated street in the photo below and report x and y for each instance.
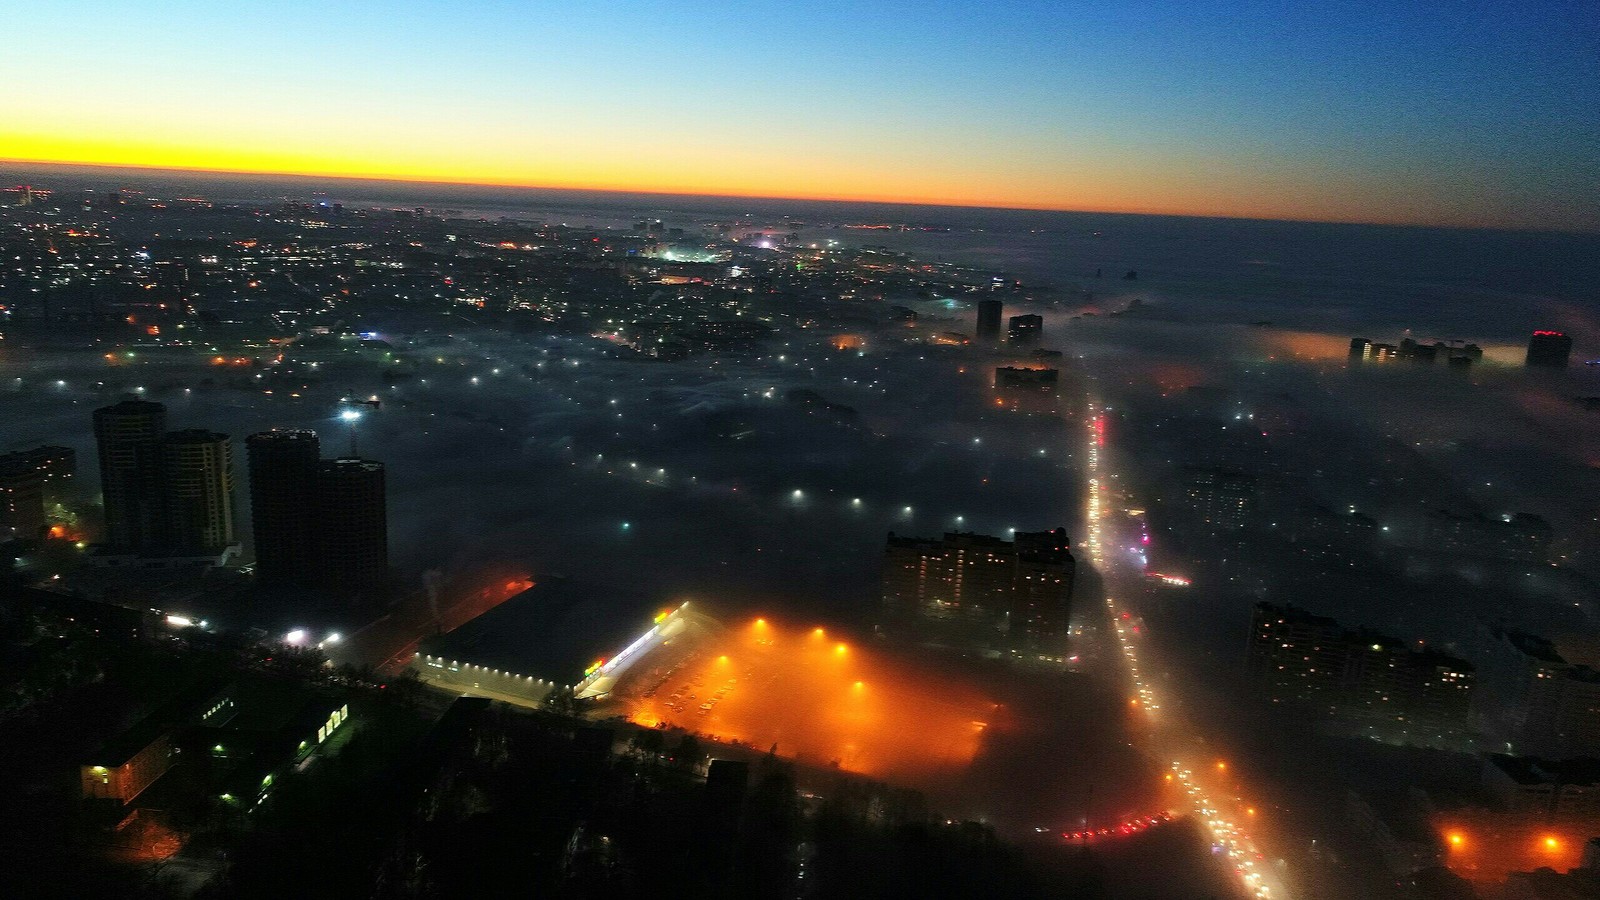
(1199, 782)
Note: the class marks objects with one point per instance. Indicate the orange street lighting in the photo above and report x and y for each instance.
(1456, 839)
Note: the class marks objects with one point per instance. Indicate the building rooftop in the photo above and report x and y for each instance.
(127, 744)
(1288, 613)
(555, 630)
(1530, 770)
(1530, 645)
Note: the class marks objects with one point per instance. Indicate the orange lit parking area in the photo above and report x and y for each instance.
(1484, 850)
(820, 699)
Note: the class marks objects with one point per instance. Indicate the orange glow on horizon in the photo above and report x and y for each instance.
(1160, 187)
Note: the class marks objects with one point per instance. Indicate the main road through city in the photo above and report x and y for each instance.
(1209, 790)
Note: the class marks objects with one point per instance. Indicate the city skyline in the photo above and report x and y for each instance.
(1380, 114)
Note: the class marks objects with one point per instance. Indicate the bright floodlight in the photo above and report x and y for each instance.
(350, 415)
(296, 636)
(333, 638)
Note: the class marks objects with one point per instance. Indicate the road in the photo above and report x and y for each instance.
(1209, 790)
(389, 643)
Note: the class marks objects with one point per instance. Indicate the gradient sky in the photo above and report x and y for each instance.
(1448, 112)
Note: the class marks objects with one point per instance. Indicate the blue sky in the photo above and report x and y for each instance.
(1464, 113)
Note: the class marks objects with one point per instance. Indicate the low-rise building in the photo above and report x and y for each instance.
(128, 763)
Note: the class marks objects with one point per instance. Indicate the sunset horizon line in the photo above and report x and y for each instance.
(467, 182)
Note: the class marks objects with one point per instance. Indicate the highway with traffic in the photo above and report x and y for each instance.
(1209, 791)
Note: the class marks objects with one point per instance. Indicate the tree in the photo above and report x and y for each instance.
(688, 754)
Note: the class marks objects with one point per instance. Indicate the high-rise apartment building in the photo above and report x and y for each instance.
(197, 490)
(1022, 587)
(283, 472)
(1221, 498)
(1549, 349)
(1535, 701)
(55, 465)
(989, 317)
(128, 436)
(167, 494)
(1358, 676)
(1026, 331)
(21, 501)
(352, 522)
(318, 523)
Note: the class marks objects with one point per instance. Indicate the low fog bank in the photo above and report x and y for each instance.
(554, 455)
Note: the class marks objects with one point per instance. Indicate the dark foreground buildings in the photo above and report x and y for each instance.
(318, 523)
(1015, 594)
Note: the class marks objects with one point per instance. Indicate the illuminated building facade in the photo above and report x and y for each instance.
(1030, 380)
(1026, 331)
(21, 501)
(1025, 389)
(1022, 588)
(55, 465)
(1221, 498)
(1360, 677)
(129, 764)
